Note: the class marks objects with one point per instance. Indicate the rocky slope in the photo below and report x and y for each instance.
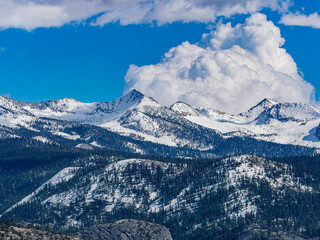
(8, 232)
(128, 229)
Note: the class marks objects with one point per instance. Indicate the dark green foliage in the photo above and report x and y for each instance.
(26, 164)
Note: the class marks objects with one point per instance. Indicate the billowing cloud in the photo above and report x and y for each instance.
(31, 14)
(298, 19)
(231, 70)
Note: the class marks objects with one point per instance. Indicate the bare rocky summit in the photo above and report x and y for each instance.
(8, 232)
(128, 229)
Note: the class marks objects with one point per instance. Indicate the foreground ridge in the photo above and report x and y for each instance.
(127, 229)
(204, 195)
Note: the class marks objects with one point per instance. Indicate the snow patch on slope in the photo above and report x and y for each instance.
(63, 176)
(43, 139)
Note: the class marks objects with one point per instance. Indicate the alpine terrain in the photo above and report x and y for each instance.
(83, 168)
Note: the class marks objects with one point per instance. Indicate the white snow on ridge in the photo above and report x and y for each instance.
(255, 111)
(250, 167)
(135, 115)
(184, 109)
(84, 146)
(63, 176)
(12, 118)
(13, 115)
(66, 135)
(285, 123)
(95, 144)
(43, 139)
(95, 113)
(254, 167)
(115, 126)
(99, 186)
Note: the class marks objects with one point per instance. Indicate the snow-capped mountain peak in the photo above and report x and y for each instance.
(255, 111)
(91, 113)
(184, 109)
(266, 103)
(133, 96)
(297, 112)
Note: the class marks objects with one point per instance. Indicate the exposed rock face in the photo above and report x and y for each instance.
(128, 229)
(12, 232)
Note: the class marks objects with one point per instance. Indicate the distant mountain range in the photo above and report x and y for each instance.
(143, 119)
(286, 123)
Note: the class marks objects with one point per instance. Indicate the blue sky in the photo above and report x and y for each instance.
(42, 59)
(82, 62)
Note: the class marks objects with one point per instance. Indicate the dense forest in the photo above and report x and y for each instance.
(201, 214)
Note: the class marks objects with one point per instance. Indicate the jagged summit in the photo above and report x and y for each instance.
(133, 96)
(266, 103)
(297, 112)
(256, 110)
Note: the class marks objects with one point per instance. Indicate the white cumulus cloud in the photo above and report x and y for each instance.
(31, 14)
(298, 19)
(233, 69)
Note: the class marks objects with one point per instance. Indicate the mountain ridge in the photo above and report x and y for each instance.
(142, 118)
